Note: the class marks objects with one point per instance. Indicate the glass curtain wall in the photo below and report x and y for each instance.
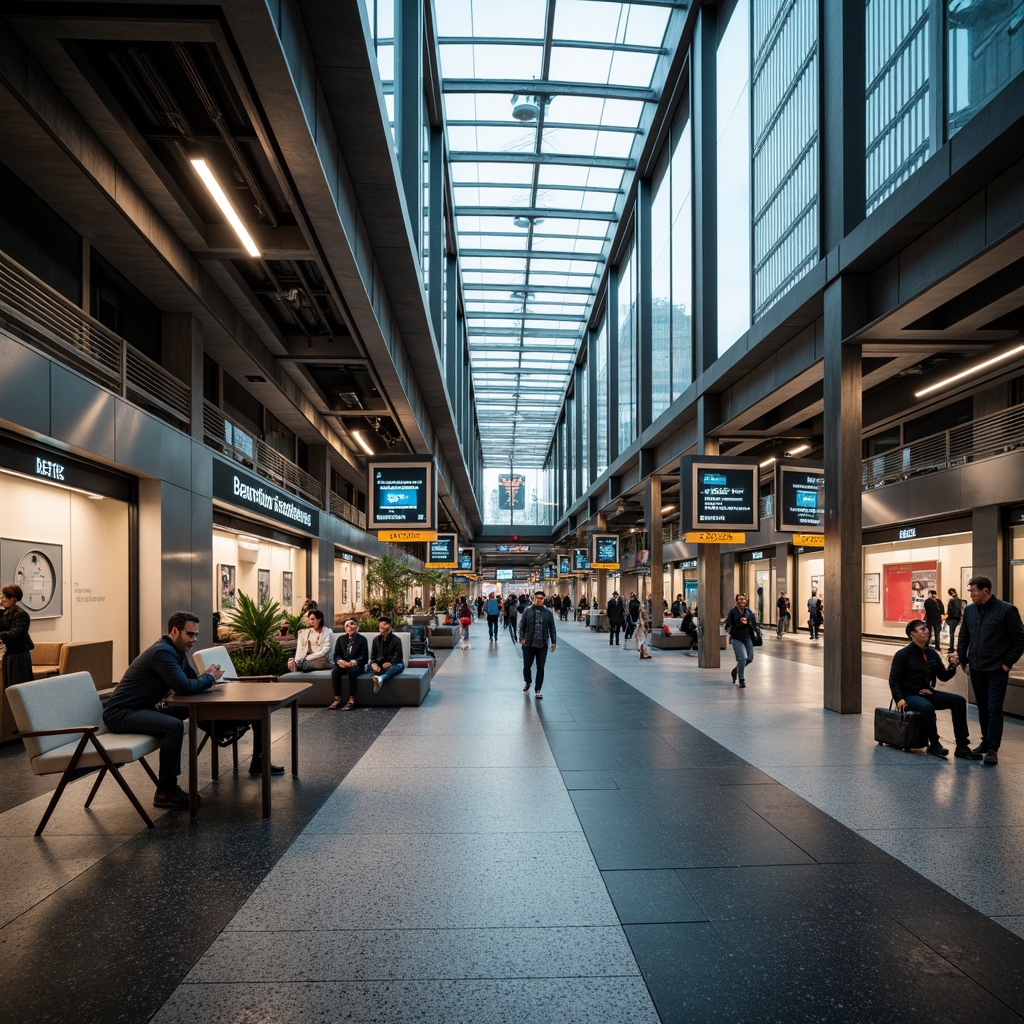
(732, 81)
(381, 17)
(682, 253)
(626, 363)
(985, 50)
(583, 397)
(661, 289)
(785, 146)
(898, 93)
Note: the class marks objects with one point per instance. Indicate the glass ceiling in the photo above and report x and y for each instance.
(544, 101)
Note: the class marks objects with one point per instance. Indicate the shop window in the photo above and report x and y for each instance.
(33, 235)
(119, 305)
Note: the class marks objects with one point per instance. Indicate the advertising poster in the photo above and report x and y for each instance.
(263, 584)
(906, 586)
(227, 586)
(286, 589)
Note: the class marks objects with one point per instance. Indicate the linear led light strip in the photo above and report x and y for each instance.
(361, 441)
(204, 172)
(967, 373)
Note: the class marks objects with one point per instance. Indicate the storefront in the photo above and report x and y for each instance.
(348, 582)
(755, 577)
(1015, 549)
(262, 541)
(68, 542)
(902, 564)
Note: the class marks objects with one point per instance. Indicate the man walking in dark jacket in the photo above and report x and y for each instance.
(536, 631)
(616, 615)
(933, 618)
(991, 641)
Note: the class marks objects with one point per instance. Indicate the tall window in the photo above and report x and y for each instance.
(785, 140)
(602, 413)
(626, 364)
(583, 397)
(682, 255)
(733, 115)
(661, 290)
(898, 93)
(986, 50)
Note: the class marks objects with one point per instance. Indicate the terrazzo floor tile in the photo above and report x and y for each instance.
(424, 953)
(513, 1001)
(389, 800)
(498, 751)
(649, 897)
(434, 881)
(805, 972)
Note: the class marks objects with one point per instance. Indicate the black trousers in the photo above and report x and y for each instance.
(344, 681)
(531, 654)
(613, 631)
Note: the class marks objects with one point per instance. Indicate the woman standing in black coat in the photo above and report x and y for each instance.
(14, 623)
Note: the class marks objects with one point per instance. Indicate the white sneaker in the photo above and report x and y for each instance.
(376, 684)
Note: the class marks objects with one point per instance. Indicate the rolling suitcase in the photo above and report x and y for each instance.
(904, 729)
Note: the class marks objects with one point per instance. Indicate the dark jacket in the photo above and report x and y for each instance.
(634, 609)
(933, 611)
(386, 650)
(991, 636)
(526, 626)
(740, 625)
(14, 631)
(360, 650)
(914, 669)
(616, 611)
(156, 672)
(954, 610)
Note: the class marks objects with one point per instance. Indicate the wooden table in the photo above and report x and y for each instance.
(245, 701)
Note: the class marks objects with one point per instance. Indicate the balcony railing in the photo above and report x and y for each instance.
(346, 510)
(38, 314)
(235, 442)
(980, 439)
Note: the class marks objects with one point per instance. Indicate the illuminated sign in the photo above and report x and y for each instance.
(580, 562)
(402, 494)
(406, 536)
(443, 552)
(512, 549)
(504, 574)
(718, 493)
(799, 498)
(714, 537)
(467, 559)
(255, 495)
(605, 548)
(564, 567)
(511, 492)
(809, 540)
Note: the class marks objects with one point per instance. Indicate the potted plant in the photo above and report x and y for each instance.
(387, 581)
(256, 625)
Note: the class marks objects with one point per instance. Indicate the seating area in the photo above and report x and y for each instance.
(62, 658)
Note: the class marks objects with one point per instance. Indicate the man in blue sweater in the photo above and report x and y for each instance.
(912, 684)
(136, 705)
(991, 641)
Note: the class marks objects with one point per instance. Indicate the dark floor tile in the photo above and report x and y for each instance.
(868, 971)
(827, 841)
(739, 775)
(589, 780)
(596, 750)
(677, 829)
(651, 897)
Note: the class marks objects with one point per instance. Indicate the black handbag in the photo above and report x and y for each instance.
(755, 637)
(904, 729)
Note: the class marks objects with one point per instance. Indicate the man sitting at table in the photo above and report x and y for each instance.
(137, 703)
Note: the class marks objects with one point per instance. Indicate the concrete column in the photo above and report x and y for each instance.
(652, 499)
(843, 420)
(409, 109)
(782, 579)
(987, 549)
(709, 556)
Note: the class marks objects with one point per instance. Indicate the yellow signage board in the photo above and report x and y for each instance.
(809, 540)
(406, 536)
(604, 565)
(714, 537)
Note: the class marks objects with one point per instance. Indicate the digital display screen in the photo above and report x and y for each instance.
(719, 493)
(504, 574)
(511, 492)
(467, 559)
(580, 562)
(563, 565)
(606, 549)
(800, 499)
(441, 553)
(401, 495)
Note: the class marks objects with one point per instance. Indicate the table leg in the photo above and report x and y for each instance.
(193, 757)
(266, 762)
(214, 752)
(295, 736)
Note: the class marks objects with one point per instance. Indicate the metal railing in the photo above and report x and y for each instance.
(38, 314)
(230, 439)
(346, 510)
(980, 439)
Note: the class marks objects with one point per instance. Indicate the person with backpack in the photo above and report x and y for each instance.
(954, 615)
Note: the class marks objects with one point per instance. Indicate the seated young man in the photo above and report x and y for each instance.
(386, 655)
(314, 646)
(912, 683)
(351, 654)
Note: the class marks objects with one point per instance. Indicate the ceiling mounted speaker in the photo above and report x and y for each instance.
(525, 108)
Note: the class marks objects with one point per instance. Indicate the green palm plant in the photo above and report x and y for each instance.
(257, 625)
(387, 582)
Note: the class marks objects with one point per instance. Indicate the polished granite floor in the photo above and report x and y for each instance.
(648, 843)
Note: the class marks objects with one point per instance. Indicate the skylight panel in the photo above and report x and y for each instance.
(595, 22)
(483, 61)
